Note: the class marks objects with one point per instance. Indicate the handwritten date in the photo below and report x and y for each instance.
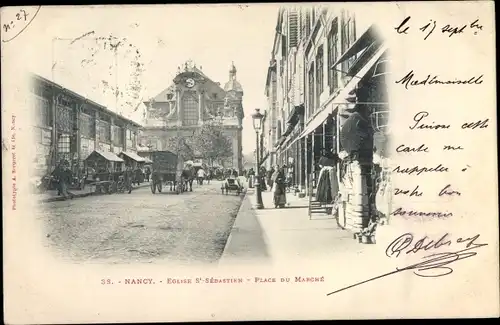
(447, 29)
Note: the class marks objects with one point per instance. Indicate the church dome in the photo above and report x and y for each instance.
(233, 84)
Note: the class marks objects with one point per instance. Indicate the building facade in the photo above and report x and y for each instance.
(68, 126)
(192, 100)
(331, 95)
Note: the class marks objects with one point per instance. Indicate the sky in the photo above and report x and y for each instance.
(154, 41)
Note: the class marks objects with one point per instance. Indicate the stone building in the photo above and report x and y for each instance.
(69, 126)
(191, 100)
(326, 89)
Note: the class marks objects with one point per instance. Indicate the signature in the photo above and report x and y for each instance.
(22, 16)
(433, 265)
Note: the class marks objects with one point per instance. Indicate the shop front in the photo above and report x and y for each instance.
(362, 136)
(136, 162)
(103, 165)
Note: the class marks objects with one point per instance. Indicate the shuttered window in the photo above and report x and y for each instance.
(292, 28)
(319, 73)
(87, 125)
(104, 132)
(310, 92)
(117, 136)
(348, 31)
(332, 57)
(65, 119)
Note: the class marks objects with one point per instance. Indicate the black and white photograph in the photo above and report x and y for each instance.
(165, 175)
(289, 157)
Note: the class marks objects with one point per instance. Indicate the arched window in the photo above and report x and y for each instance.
(190, 113)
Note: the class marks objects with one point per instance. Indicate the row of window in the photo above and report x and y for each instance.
(66, 122)
(317, 68)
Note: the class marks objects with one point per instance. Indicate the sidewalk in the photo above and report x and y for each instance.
(51, 196)
(279, 236)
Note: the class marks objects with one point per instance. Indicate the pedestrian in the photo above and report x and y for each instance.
(210, 174)
(65, 176)
(58, 174)
(148, 172)
(262, 178)
(138, 174)
(279, 187)
(128, 178)
(200, 175)
(269, 177)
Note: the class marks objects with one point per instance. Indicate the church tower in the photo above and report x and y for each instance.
(234, 94)
(234, 100)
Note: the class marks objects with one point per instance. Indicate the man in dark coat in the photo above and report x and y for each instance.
(64, 176)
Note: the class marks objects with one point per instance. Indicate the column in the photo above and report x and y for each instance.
(178, 101)
(53, 107)
(324, 134)
(112, 134)
(306, 164)
(200, 107)
(124, 137)
(78, 136)
(96, 131)
(313, 148)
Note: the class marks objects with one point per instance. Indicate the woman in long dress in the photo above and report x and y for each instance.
(279, 187)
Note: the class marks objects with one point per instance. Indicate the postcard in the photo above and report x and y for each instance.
(234, 162)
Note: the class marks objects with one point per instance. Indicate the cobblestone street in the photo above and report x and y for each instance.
(123, 228)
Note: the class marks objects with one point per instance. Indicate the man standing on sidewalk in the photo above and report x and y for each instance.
(64, 175)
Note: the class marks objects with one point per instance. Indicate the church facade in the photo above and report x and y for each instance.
(190, 101)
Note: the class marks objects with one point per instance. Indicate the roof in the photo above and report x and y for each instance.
(210, 85)
(162, 96)
(97, 105)
(133, 155)
(233, 84)
(108, 156)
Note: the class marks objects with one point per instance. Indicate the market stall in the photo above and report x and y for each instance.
(106, 167)
(137, 164)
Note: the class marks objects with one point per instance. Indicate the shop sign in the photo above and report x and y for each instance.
(46, 137)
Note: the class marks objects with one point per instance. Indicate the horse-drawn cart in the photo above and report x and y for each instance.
(166, 168)
(232, 184)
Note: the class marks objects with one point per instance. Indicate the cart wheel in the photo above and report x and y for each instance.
(159, 186)
(153, 187)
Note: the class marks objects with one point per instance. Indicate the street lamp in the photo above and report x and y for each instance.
(257, 125)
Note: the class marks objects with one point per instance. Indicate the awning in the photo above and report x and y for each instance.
(294, 116)
(109, 156)
(133, 156)
(344, 93)
(148, 161)
(368, 37)
(263, 160)
(317, 121)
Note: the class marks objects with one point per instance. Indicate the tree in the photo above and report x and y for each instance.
(212, 144)
(183, 146)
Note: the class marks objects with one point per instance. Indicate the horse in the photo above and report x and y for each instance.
(188, 178)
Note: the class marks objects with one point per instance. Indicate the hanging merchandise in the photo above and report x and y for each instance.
(354, 132)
